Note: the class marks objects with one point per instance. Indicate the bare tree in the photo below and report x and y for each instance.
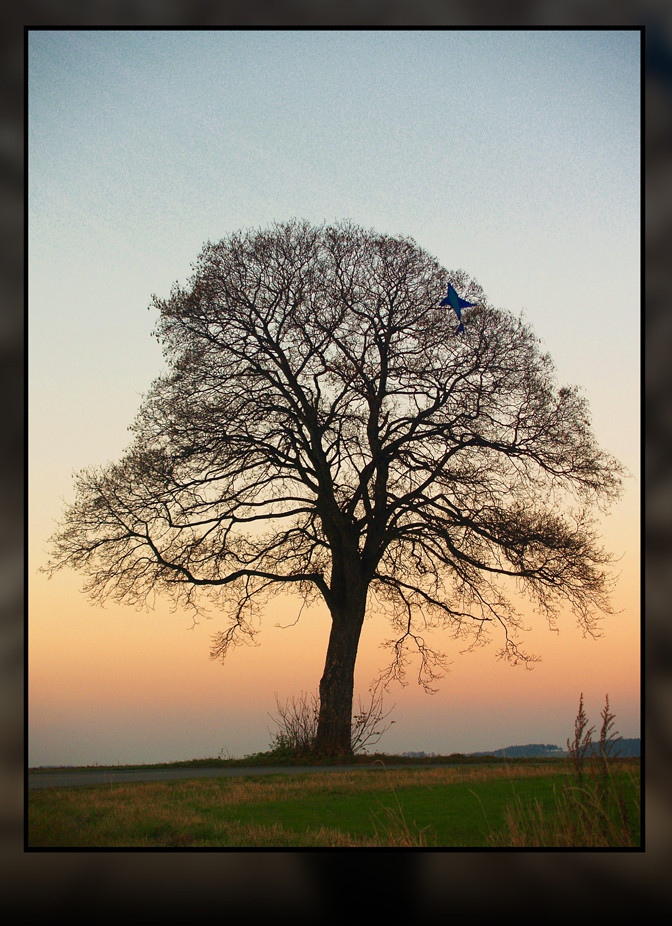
(322, 426)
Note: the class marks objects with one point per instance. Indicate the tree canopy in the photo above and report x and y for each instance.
(322, 426)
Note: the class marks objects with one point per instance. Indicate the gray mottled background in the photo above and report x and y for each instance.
(172, 885)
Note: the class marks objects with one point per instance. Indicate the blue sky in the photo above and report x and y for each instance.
(514, 155)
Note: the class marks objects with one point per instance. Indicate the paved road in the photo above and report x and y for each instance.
(72, 777)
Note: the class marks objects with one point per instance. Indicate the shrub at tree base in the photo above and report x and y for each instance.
(297, 721)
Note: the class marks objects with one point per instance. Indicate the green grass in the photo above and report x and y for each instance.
(435, 807)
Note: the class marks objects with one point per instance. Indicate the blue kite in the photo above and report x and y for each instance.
(453, 299)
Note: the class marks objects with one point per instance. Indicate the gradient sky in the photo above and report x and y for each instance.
(514, 155)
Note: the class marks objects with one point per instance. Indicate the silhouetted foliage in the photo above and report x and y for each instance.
(321, 427)
(297, 721)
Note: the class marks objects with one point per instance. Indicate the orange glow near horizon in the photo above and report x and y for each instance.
(113, 675)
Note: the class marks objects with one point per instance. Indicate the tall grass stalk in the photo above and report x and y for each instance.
(592, 808)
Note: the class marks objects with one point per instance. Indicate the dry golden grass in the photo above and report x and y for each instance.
(405, 808)
(202, 812)
(595, 814)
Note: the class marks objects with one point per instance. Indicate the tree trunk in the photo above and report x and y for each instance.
(334, 726)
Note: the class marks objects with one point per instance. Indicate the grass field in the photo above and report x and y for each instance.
(513, 804)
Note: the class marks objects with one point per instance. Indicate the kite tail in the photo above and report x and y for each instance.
(461, 328)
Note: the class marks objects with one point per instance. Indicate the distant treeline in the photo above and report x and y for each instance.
(622, 747)
(520, 752)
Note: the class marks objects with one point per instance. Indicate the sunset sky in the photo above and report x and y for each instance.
(514, 155)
